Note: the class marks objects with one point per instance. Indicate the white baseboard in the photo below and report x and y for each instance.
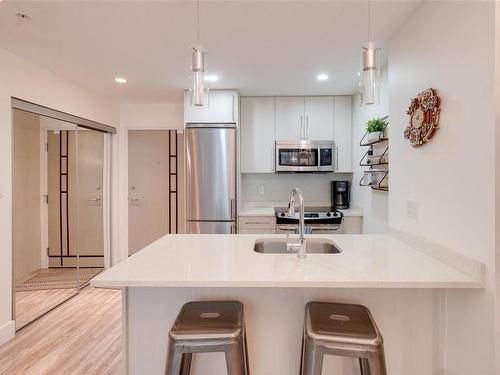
(7, 331)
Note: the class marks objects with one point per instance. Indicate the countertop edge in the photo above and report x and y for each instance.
(462, 263)
(293, 285)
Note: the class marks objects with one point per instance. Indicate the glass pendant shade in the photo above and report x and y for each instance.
(369, 77)
(197, 91)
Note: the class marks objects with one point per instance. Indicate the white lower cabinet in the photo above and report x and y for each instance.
(353, 224)
(256, 224)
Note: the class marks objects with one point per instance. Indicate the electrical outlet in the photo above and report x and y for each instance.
(412, 209)
(262, 190)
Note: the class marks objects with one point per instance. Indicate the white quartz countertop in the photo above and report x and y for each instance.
(269, 211)
(366, 261)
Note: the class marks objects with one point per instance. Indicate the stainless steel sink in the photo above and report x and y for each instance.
(278, 246)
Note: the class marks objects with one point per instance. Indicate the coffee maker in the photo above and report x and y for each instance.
(340, 195)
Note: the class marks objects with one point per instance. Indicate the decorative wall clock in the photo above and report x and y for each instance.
(423, 117)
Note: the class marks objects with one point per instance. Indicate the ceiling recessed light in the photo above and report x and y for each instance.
(120, 80)
(211, 78)
(322, 77)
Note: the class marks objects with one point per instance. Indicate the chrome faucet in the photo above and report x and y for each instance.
(301, 245)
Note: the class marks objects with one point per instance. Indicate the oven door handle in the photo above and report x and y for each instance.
(287, 227)
(293, 227)
(325, 227)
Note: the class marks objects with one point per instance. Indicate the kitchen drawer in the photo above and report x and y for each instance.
(257, 222)
(257, 231)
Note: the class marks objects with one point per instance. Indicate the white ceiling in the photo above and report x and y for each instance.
(259, 47)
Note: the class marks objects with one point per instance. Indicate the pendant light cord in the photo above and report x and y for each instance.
(198, 22)
(369, 20)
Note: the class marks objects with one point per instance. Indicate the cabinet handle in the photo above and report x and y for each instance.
(233, 211)
(307, 127)
(232, 108)
(273, 157)
(337, 159)
(301, 128)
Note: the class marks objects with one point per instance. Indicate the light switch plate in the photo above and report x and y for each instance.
(262, 190)
(412, 209)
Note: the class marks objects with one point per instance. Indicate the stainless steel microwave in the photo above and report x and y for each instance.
(305, 156)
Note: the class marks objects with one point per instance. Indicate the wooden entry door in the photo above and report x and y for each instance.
(90, 197)
(75, 182)
(148, 176)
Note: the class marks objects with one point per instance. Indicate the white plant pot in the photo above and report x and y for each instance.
(374, 136)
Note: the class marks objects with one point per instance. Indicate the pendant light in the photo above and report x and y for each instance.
(198, 92)
(369, 76)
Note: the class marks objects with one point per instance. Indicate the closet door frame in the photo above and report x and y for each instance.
(27, 106)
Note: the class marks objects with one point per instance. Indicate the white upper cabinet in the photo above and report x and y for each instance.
(309, 118)
(265, 120)
(257, 136)
(222, 108)
(290, 118)
(342, 133)
(319, 118)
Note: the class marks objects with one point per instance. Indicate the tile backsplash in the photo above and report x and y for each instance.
(274, 187)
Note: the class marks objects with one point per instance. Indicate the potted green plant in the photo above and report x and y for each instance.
(375, 127)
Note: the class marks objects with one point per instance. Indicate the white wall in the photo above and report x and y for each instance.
(375, 203)
(450, 46)
(137, 117)
(25, 80)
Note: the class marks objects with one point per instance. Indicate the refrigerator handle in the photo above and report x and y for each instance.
(233, 209)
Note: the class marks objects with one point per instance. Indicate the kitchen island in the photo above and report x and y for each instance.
(392, 278)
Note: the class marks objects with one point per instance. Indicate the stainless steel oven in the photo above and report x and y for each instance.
(317, 221)
(305, 156)
(315, 229)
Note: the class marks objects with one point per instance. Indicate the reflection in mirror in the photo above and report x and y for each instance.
(41, 213)
(59, 197)
(91, 189)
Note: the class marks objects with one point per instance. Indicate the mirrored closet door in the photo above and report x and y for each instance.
(60, 211)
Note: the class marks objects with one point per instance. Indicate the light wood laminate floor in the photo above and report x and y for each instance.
(30, 305)
(82, 336)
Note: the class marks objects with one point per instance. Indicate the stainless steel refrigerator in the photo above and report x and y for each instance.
(211, 178)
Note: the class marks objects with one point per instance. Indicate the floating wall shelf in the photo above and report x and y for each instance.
(377, 176)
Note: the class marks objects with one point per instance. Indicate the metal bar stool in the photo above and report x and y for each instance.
(343, 330)
(208, 326)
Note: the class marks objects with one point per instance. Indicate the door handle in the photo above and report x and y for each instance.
(134, 199)
(95, 200)
(233, 209)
